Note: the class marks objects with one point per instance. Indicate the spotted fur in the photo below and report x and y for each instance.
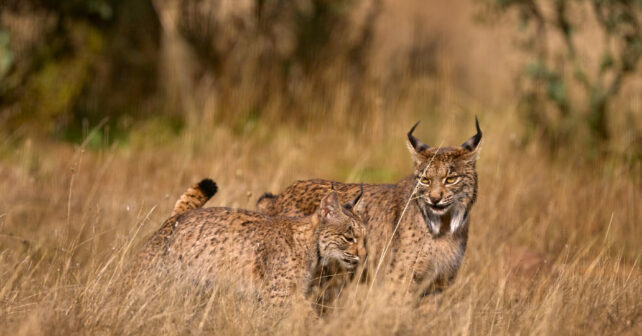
(265, 202)
(418, 227)
(283, 256)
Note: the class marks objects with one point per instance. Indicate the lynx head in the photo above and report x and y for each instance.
(446, 180)
(341, 234)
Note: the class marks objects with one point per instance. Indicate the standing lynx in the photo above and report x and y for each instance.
(283, 256)
(418, 227)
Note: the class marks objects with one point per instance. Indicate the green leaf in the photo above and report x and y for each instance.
(6, 55)
(606, 62)
(580, 74)
(537, 70)
(556, 89)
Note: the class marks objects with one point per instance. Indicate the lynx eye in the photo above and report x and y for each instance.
(425, 180)
(350, 239)
(451, 179)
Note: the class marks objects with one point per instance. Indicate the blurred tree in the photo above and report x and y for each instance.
(97, 58)
(556, 37)
(282, 49)
(6, 55)
(237, 61)
(90, 59)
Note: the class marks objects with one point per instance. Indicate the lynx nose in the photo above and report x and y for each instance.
(434, 199)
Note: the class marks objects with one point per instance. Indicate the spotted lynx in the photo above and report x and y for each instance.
(283, 256)
(418, 227)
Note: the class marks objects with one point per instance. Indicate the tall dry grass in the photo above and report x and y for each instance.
(554, 242)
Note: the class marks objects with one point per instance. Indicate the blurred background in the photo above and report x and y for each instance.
(110, 109)
(569, 69)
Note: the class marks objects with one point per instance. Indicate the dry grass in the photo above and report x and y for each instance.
(554, 246)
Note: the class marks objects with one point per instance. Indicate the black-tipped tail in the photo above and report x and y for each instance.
(195, 197)
(208, 187)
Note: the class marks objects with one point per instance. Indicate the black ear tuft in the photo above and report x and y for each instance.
(208, 187)
(472, 143)
(414, 142)
(350, 205)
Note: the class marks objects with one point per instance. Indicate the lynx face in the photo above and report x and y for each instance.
(443, 183)
(341, 233)
(446, 180)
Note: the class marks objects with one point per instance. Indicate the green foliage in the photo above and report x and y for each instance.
(86, 9)
(555, 85)
(247, 121)
(54, 88)
(89, 60)
(101, 58)
(562, 92)
(154, 131)
(6, 55)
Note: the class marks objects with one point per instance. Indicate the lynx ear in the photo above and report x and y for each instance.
(472, 144)
(415, 146)
(329, 205)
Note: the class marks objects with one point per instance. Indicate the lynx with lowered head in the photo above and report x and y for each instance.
(281, 255)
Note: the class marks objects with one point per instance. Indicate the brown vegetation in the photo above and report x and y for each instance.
(554, 244)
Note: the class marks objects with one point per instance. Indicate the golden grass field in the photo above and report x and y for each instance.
(555, 239)
(554, 242)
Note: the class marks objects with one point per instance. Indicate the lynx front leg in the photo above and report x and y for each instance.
(284, 295)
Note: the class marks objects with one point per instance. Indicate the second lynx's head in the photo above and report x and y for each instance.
(341, 235)
(446, 179)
